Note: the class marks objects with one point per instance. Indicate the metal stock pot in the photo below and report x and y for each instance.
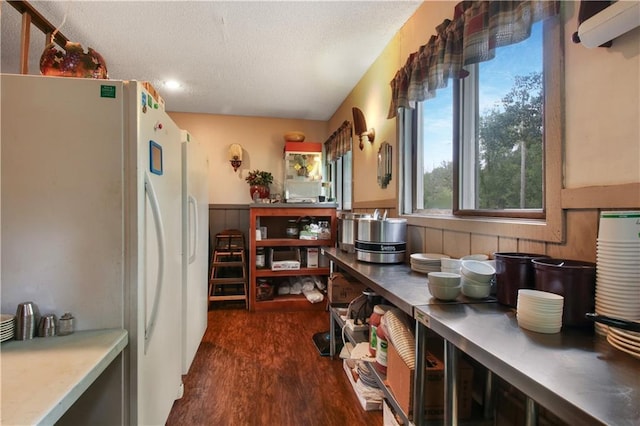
(348, 229)
(381, 240)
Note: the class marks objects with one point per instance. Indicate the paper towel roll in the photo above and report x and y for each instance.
(617, 19)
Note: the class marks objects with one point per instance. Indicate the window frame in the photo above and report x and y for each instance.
(340, 172)
(551, 227)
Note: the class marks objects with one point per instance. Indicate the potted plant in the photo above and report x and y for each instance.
(259, 182)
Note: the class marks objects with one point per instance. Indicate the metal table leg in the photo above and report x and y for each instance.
(332, 333)
(488, 400)
(531, 418)
(450, 384)
(418, 374)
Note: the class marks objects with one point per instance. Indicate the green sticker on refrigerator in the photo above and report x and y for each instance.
(107, 91)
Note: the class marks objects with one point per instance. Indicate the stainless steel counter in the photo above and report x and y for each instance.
(397, 283)
(575, 374)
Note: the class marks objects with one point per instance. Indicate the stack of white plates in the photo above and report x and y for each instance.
(7, 327)
(618, 267)
(540, 311)
(626, 341)
(426, 262)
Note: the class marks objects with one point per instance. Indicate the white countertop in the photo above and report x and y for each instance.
(43, 377)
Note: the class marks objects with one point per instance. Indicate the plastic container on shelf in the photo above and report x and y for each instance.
(381, 346)
(374, 323)
(260, 258)
(292, 228)
(324, 231)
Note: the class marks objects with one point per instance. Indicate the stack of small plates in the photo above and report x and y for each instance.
(426, 262)
(7, 327)
(626, 341)
(540, 311)
(618, 267)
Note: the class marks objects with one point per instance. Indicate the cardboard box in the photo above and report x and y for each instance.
(400, 381)
(343, 289)
(284, 260)
(312, 257)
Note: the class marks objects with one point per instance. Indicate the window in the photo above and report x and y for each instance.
(341, 175)
(462, 150)
(498, 165)
(339, 165)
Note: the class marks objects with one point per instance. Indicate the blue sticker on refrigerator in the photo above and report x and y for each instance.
(155, 158)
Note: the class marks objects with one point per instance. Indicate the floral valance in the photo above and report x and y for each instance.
(339, 143)
(477, 29)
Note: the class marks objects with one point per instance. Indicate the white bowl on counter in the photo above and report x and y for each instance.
(474, 289)
(444, 292)
(478, 270)
(445, 279)
(450, 264)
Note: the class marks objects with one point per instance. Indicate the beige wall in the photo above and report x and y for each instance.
(601, 144)
(262, 142)
(602, 110)
(601, 167)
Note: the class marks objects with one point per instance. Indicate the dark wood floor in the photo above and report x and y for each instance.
(262, 368)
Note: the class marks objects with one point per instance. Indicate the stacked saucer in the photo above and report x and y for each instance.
(540, 311)
(426, 262)
(7, 327)
(626, 341)
(618, 267)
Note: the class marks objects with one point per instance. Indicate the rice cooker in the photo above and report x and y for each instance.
(381, 240)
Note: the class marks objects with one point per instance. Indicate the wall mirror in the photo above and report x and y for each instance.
(384, 164)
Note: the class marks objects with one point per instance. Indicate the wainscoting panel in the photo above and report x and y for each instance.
(228, 216)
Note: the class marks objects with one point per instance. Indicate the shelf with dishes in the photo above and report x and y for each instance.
(355, 337)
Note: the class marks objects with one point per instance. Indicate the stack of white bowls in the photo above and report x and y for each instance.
(618, 266)
(476, 278)
(450, 265)
(426, 262)
(540, 311)
(444, 285)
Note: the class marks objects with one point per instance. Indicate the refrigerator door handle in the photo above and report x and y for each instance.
(157, 219)
(193, 237)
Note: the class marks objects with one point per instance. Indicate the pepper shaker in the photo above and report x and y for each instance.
(65, 324)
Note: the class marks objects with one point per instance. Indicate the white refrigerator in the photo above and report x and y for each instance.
(195, 246)
(91, 224)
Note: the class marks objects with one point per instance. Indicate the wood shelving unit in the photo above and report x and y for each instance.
(275, 217)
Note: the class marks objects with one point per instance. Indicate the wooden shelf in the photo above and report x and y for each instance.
(291, 302)
(275, 218)
(262, 273)
(291, 242)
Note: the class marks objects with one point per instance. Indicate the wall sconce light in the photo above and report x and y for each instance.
(235, 156)
(360, 125)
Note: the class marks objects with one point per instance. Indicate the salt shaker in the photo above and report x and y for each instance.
(65, 324)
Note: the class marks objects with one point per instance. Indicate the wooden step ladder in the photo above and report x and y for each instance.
(228, 279)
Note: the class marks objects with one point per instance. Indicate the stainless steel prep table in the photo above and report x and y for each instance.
(402, 287)
(575, 374)
(395, 282)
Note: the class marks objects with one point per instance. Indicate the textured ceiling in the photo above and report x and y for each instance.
(267, 58)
